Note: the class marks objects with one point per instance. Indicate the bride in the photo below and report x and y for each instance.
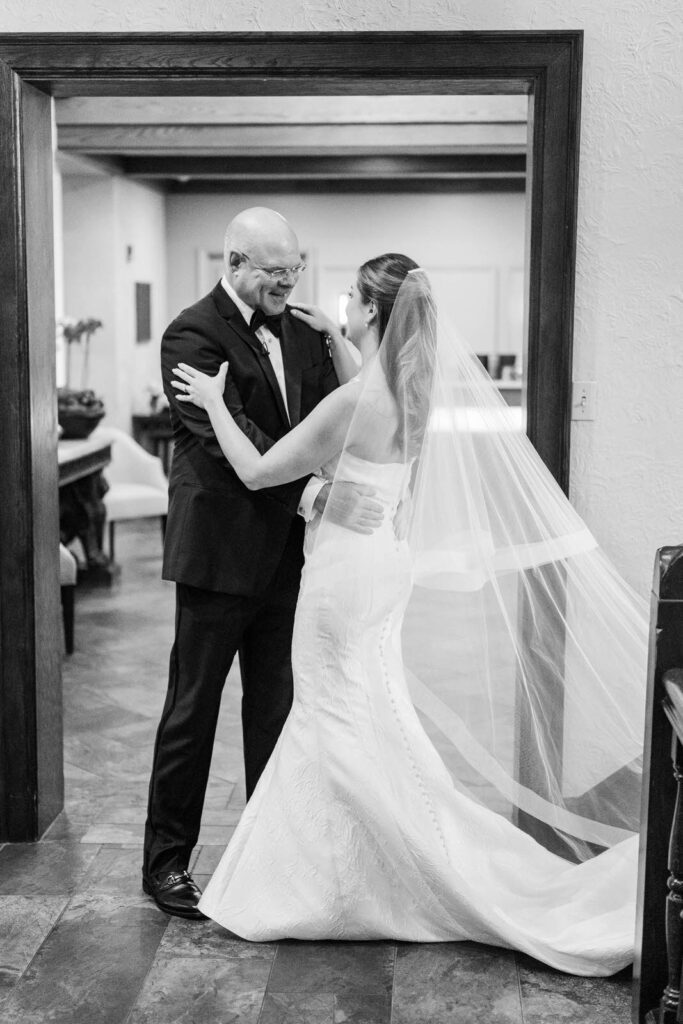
(461, 760)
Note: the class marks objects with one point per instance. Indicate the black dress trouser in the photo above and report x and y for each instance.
(210, 628)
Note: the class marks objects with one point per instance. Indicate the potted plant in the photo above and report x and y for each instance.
(78, 410)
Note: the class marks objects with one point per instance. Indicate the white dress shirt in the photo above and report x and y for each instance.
(272, 345)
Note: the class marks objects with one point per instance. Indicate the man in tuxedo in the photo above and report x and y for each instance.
(234, 554)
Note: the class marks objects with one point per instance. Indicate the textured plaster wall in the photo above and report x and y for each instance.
(627, 468)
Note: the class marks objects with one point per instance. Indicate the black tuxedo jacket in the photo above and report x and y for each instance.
(221, 536)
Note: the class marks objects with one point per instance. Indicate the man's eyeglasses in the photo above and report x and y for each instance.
(276, 273)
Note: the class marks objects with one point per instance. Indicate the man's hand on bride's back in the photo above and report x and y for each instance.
(351, 505)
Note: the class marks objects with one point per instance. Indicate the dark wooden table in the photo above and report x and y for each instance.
(155, 433)
(82, 512)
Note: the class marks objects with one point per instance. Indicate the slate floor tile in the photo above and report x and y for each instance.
(200, 990)
(455, 983)
(208, 939)
(215, 835)
(121, 814)
(208, 859)
(331, 966)
(551, 997)
(356, 976)
(116, 870)
(64, 828)
(49, 869)
(215, 814)
(25, 921)
(92, 965)
(289, 1008)
(121, 835)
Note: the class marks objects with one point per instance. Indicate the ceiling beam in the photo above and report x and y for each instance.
(322, 186)
(167, 139)
(326, 167)
(224, 110)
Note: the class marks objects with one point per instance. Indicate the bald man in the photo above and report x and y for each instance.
(234, 554)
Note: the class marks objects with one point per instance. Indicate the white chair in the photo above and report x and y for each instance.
(68, 571)
(138, 488)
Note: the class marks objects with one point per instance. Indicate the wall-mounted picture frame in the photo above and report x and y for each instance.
(143, 312)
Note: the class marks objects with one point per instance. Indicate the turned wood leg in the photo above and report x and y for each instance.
(679, 1015)
(83, 515)
(668, 1007)
(68, 593)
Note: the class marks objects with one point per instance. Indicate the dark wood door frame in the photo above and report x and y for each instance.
(546, 65)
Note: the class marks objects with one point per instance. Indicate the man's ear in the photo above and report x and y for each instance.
(235, 259)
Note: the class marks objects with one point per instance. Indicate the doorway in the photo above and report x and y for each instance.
(544, 66)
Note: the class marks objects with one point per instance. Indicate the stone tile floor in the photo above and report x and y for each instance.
(81, 944)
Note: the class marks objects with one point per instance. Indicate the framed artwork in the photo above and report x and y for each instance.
(143, 312)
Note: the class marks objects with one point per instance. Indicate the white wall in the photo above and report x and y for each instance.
(102, 218)
(627, 473)
(472, 244)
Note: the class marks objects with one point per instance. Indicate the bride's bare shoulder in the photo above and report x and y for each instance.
(346, 395)
(338, 407)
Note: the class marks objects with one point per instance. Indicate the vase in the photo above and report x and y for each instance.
(78, 413)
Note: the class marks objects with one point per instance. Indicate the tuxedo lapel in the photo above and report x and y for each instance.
(230, 312)
(292, 364)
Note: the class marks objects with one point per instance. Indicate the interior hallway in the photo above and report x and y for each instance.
(81, 944)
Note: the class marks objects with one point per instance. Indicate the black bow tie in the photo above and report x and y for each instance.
(273, 323)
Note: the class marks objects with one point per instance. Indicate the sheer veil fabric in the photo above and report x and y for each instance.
(523, 649)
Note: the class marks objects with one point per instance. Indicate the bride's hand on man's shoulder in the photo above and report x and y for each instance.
(313, 316)
(197, 387)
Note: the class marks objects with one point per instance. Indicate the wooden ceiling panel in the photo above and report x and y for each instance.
(367, 141)
(169, 139)
(247, 110)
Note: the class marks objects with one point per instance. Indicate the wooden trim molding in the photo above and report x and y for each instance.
(545, 65)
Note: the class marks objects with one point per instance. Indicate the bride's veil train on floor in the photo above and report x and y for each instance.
(524, 650)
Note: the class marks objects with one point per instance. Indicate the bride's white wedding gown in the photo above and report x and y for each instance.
(356, 831)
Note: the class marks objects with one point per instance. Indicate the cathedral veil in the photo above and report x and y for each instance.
(523, 649)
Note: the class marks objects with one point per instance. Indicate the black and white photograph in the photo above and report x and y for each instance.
(341, 572)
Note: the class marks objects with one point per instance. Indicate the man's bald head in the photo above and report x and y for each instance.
(260, 239)
(258, 227)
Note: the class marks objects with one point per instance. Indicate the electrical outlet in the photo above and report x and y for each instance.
(584, 399)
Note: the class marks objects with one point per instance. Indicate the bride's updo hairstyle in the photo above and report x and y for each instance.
(380, 279)
(407, 349)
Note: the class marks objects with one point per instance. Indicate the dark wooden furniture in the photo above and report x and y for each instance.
(78, 459)
(81, 510)
(33, 68)
(68, 613)
(67, 588)
(659, 935)
(155, 433)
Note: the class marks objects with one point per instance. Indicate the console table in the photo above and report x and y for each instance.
(81, 510)
(155, 433)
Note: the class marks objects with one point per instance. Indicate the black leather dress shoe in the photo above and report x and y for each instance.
(176, 894)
